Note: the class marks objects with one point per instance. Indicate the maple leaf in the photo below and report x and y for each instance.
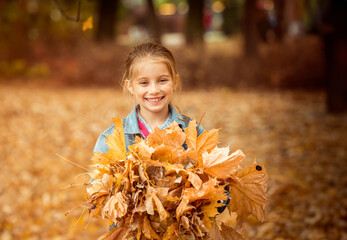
(219, 164)
(172, 136)
(248, 194)
(87, 24)
(116, 142)
(207, 141)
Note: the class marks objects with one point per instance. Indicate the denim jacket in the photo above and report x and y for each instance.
(131, 128)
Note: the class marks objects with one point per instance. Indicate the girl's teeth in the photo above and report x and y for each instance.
(154, 100)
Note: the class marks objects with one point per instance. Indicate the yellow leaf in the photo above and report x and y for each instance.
(248, 195)
(87, 24)
(218, 164)
(116, 142)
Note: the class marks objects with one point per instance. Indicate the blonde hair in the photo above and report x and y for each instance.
(152, 50)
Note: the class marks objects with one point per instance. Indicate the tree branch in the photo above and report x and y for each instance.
(77, 19)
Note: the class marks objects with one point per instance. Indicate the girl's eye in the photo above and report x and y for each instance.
(143, 83)
(163, 80)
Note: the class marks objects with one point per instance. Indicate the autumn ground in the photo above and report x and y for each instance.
(290, 133)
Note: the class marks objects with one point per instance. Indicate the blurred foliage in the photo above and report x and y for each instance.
(37, 40)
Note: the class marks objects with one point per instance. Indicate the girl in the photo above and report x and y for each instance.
(151, 77)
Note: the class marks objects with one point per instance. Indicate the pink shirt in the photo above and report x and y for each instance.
(143, 129)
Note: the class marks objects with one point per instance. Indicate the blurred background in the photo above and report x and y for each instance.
(270, 73)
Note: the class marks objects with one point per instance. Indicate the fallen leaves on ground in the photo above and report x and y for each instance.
(289, 132)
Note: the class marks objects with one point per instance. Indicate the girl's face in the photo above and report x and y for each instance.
(152, 86)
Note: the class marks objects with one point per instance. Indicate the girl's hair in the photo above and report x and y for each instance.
(154, 51)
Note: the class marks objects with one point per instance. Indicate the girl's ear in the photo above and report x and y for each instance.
(128, 86)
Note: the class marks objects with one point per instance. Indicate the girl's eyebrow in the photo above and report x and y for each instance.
(164, 75)
(145, 78)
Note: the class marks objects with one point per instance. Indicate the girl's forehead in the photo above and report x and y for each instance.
(140, 63)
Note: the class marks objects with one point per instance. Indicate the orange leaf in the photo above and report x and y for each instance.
(191, 134)
(207, 141)
(172, 136)
(194, 179)
(87, 24)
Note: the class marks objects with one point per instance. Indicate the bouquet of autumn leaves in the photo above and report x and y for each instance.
(159, 190)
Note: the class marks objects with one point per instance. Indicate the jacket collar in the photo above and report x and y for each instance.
(131, 125)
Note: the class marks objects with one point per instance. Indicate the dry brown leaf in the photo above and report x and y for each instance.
(141, 150)
(114, 234)
(224, 233)
(248, 195)
(100, 186)
(148, 230)
(115, 207)
(163, 214)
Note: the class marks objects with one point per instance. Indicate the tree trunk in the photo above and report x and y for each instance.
(107, 10)
(281, 26)
(153, 23)
(335, 41)
(250, 21)
(194, 22)
(231, 17)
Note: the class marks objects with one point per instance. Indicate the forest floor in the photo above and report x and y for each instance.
(303, 148)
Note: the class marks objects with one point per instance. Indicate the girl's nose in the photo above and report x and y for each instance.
(154, 88)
